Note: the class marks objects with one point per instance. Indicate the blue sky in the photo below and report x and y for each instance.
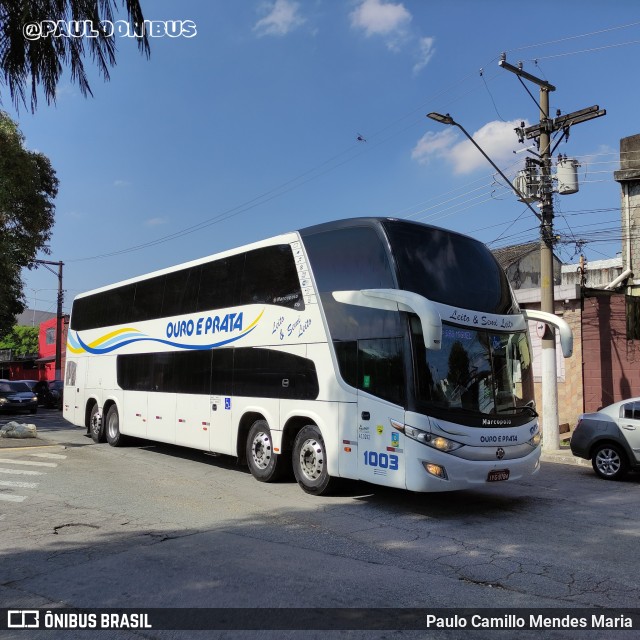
(250, 128)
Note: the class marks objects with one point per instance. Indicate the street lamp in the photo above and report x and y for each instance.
(447, 119)
(438, 117)
(549, 375)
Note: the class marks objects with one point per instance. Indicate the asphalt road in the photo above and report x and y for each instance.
(87, 526)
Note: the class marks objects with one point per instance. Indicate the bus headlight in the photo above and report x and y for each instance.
(436, 442)
(435, 470)
(535, 441)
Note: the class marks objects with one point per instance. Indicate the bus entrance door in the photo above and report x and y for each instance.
(380, 454)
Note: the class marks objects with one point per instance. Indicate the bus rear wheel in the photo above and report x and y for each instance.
(310, 462)
(112, 428)
(264, 464)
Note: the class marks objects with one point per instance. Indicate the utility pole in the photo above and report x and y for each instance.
(59, 316)
(542, 132)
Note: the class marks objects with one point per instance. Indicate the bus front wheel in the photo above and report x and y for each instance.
(264, 464)
(112, 429)
(310, 461)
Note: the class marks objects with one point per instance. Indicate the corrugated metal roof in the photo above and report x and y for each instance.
(506, 256)
(594, 265)
(33, 317)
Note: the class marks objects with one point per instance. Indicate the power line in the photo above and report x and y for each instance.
(575, 53)
(582, 35)
(331, 164)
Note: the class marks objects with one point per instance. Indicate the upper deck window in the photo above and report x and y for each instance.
(447, 267)
(261, 276)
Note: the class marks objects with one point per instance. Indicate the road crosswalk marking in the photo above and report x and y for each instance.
(7, 497)
(19, 484)
(22, 472)
(29, 463)
(12, 467)
(53, 456)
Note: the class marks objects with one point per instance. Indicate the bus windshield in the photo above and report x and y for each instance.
(476, 371)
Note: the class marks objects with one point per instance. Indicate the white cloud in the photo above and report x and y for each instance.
(66, 89)
(497, 140)
(431, 144)
(391, 22)
(154, 222)
(379, 18)
(427, 50)
(282, 17)
(121, 183)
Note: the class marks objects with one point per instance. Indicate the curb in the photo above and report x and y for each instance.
(563, 456)
(24, 443)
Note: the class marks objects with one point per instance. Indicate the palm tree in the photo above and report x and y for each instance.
(39, 61)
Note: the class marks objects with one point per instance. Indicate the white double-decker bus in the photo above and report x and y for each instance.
(374, 349)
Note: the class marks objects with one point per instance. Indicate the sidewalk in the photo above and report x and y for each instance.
(52, 430)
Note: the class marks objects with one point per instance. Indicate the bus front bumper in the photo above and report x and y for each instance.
(430, 470)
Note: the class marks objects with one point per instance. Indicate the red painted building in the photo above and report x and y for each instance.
(46, 362)
(40, 366)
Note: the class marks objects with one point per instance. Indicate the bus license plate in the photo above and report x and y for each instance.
(498, 475)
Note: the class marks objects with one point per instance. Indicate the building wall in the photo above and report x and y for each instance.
(524, 273)
(570, 389)
(629, 178)
(631, 236)
(599, 273)
(611, 362)
(47, 348)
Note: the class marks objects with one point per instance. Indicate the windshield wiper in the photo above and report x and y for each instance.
(522, 409)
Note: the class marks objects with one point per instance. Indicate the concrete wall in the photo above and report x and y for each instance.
(524, 273)
(629, 178)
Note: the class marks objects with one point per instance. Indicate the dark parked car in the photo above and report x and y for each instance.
(16, 396)
(49, 393)
(57, 392)
(610, 438)
(30, 383)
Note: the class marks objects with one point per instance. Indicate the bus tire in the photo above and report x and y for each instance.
(310, 462)
(96, 425)
(264, 464)
(112, 427)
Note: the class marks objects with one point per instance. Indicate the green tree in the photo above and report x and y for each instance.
(26, 59)
(28, 186)
(23, 341)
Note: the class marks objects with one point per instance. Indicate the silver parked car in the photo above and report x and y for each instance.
(610, 438)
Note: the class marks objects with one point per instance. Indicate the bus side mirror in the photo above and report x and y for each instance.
(399, 300)
(566, 335)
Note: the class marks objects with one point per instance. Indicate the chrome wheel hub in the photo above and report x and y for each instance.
(96, 422)
(311, 459)
(261, 450)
